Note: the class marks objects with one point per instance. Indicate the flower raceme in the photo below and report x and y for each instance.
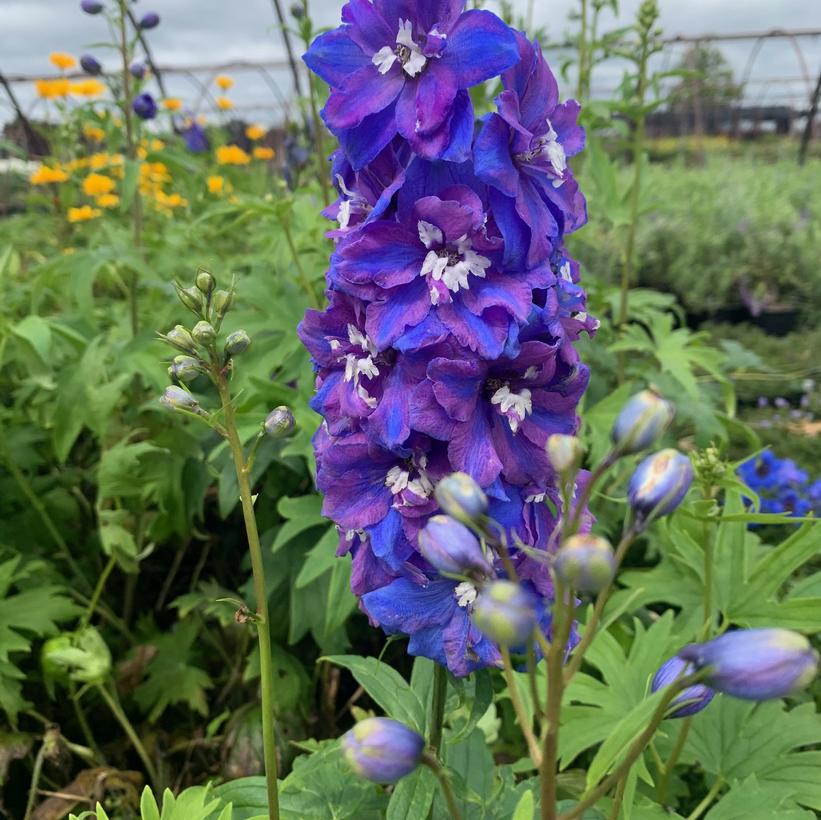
(445, 357)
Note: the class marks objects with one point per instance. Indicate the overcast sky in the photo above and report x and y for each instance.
(211, 31)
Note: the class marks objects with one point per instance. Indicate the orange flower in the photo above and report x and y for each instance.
(255, 132)
(108, 200)
(224, 82)
(224, 104)
(172, 104)
(261, 152)
(96, 184)
(61, 60)
(87, 88)
(83, 213)
(216, 184)
(232, 155)
(46, 176)
(49, 89)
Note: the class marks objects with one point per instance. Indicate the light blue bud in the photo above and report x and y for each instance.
(382, 750)
(642, 420)
(659, 484)
(452, 548)
(505, 613)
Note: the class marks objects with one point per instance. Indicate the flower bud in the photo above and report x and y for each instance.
(204, 333)
(144, 106)
(659, 484)
(137, 70)
(91, 6)
(149, 20)
(297, 11)
(642, 420)
(190, 297)
(279, 422)
(586, 562)
(185, 368)
(237, 342)
(91, 65)
(222, 302)
(81, 657)
(565, 453)
(180, 338)
(755, 664)
(175, 398)
(205, 282)
(692, 699)
(451, 547)
(461, 497)
(382, 750)
(505, 613)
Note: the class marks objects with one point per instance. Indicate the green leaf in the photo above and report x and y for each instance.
(475, 698)
(247, 795)
(413, 795)
(320, 559)
(386, 686)
(36, 332)
(301, 514)
(525, 808)
(751, 800)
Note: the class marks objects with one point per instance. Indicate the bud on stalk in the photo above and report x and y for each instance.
(180, 338)
(565, 454)
(175, 398)
(659, 484)
(205, 282)
(755, 664)
(461, 497)
(204, 333)
(185, 368)
(452, 548)
(279, 422)
(382, 750)
(692, 699)
(505, 613)
(237, 342)
(221, 303)
(586, 562)
(642, 420)
(190, 297)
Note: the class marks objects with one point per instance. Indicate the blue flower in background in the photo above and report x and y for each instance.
(781, 485)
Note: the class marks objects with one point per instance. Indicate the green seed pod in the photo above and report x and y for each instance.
(204, 333)
(180, 338)
(190, 297)
(205, 282)
(237, 342)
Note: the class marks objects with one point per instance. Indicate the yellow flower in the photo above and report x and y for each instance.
(157, 145)
(232, 155)
(96, 184)
(224, 104)
(97, 161)
(93, 133)
(261, 152)
(83, 213)
(215, 184)
(255, 132)
(49, 89)
(45, 175)
(167, 202)
(108, 200)
(172, 104)
(87, 88)
(61, 60)
(224, 82)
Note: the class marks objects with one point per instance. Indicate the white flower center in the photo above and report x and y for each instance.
(554, 150)
(356, 365)
(450, 266)
(347, 207)
(399, 479)
(408, 53)
(516, 406)
(565, 272)
(466, 594)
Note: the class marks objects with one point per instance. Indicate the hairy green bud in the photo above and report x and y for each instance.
(190, 297)
(237, 342)
(204, 333)
(205, 282)
(180, 338)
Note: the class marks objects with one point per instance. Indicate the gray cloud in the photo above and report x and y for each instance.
(210, 31)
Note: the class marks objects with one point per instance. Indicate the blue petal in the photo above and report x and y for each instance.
(334, 56)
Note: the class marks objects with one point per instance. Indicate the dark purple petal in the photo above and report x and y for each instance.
(471, 449)
(363, 93)
(364, 142)
(486, 335)
(435, 92)
(401, 307)
(385, 253)
(368, 28)
(493, 162)
(456, 385)
(533, 83)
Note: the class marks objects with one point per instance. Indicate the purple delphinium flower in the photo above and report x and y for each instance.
(149, 20)
(442, 254)
(522, 154)
(692, 699)
(396, 66)
(137, 70)
(447, 345)
(91, 6)
(196, 140)
(91, 65)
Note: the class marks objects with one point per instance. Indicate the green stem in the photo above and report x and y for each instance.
(581, 88)
(84, 725)
(619, 797)
(258, 568)
(35, 780)
(675, 754)
(42, 512)
(98, 591)
(708, 798)
(519, 708)
(444, 784)
(113, 704)
(437, 712)
(307, 285)
(563, 619)
(708, 585)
